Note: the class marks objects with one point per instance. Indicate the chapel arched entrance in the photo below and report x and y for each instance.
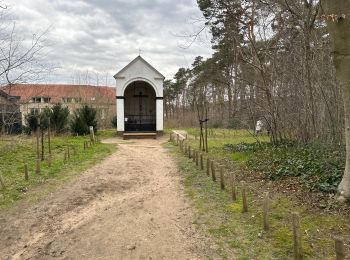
(139, 107)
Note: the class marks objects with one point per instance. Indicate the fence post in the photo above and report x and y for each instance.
(189, 152)
(49, 160)
(244, 197)
(37, 169)
(266, 205)
(201, 161)
(339, 249)
(233, 187)
(222, 176)
(194, 155)
(92, 134)
(208, 167)
(298, 254)
(213, 171)
(26, 176)
(2, 182)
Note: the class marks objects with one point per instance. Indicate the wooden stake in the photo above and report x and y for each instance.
(189, 152)
(208, 167)
(298, 254)
(170, 137)
(2, 182)
(177, 139)
(65, 156)
(26, 176)
(68, 153)
(339, 249)
(49, 160)
(233, 187)
(244, 197)
(37, 168)
(266, 206)
(37, 144)
(222, 178)
(194, 155)
(213, 171)
(201, 162)
(49, 136)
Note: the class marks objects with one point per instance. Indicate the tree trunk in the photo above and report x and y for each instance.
(339, 29)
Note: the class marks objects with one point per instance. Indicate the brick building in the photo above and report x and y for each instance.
(36, 97)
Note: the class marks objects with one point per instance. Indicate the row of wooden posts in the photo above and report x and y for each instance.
(69, 151)
(211, 171)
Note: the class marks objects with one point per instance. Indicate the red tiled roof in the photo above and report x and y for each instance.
(56, 92)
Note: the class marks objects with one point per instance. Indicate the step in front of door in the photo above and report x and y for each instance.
(152, 135)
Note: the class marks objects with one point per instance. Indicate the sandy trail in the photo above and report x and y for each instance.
(130, 206)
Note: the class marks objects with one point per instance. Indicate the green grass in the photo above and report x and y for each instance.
(240, 235)
(19, 150)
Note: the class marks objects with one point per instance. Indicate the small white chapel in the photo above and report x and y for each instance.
(139, 88)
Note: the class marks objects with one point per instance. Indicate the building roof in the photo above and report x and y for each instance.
(56, 92)
(142, 60)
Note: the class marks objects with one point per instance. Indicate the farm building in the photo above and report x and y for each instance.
(33, 98)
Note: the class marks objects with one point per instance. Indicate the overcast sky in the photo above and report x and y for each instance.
(104, 35)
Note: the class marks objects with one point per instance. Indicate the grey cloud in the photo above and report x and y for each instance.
(103, 35)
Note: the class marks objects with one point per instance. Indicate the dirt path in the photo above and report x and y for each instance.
(130, 206)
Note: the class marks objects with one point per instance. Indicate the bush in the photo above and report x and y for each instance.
(84, 118)
(59, 117)
(114, 122)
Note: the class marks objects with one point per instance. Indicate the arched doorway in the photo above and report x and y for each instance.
(140, 107)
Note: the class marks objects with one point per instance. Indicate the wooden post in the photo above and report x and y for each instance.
(197, 158)
(194, 155)
(37, 144)
(298, 254)
(244, 197)
(208, 167)
(266, 206)
(233, 187)
(213, 171)
(84, 145)
(186, 136)
(177, 139)
(170, 137)
(201, 162)
(65, 156)
(222, 178)
(26, 176)
(49, 136)
(189, 152)
(37, 168)
(68, 153)
(92, 134)
(49, 160)
(2, 182)
(339, 249)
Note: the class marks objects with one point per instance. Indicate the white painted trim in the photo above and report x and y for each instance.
(139, 79)
(120, 115)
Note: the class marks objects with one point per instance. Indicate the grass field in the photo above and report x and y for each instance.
(16, 151)
(241, 234)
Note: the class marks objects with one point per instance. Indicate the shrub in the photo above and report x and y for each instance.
(59, 117)
(82, 119)
(114, 122)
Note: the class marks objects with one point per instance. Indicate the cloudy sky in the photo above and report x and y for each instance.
(102, 36)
